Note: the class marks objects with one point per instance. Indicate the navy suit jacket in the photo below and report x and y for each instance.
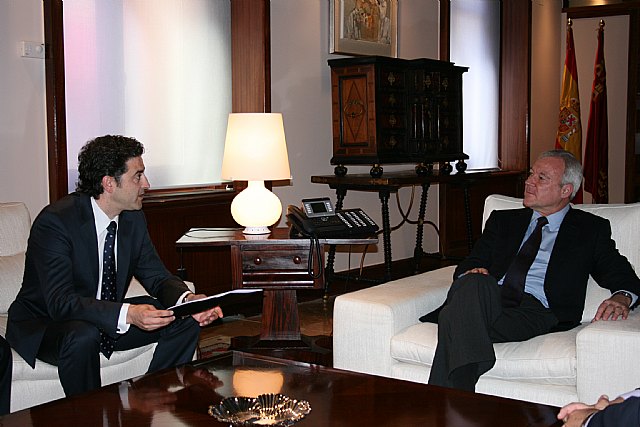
(61, 273)
(626, 414)
(583, 247)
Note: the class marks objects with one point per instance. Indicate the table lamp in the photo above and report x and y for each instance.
(255, 150)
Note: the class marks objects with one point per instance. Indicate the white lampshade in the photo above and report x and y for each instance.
(255, 150)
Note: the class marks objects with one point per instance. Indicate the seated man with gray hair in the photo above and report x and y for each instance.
(527, 275)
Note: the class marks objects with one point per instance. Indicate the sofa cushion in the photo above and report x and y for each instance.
(11, 270)
(15, 224)
(45, 371)
(546, 359)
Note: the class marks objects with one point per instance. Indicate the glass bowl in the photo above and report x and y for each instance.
(265, 410)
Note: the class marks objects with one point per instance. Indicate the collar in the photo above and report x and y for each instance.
(555, 219)
(100, 218)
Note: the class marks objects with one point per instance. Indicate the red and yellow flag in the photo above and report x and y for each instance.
(569, 135)
(596, 158)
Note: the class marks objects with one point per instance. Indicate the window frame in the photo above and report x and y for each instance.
(250, 33)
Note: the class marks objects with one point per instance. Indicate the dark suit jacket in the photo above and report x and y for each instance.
(625, 414)
(583, 247)
(61, 273)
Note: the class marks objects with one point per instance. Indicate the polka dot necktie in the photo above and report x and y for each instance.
(514, 280)
(108, 292)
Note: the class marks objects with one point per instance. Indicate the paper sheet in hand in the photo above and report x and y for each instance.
(237, 296)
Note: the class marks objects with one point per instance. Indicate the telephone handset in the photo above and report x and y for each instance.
(318, 219)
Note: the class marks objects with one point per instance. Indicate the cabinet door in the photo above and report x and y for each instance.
(353, 111)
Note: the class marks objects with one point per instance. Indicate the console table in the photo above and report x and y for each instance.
(279, 265)
(391, 182)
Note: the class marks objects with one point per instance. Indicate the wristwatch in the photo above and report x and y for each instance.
(626, 294)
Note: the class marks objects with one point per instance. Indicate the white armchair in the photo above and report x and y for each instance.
(376, 331)
(29, 386)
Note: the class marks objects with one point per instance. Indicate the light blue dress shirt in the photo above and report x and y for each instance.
(534, 283)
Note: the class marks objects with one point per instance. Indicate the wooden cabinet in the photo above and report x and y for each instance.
(277, 264)
(390, 110)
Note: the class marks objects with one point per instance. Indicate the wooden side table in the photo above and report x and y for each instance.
(391, 182)
(279, 265)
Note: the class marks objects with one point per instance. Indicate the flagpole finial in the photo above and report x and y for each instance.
(569, 22)
(602, 24)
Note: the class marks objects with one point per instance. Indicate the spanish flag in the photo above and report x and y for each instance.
(596, 158)
(569, 135)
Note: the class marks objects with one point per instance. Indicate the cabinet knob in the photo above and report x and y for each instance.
(297, 259)
(257, 260)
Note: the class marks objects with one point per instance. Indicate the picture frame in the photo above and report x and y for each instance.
(364, 27)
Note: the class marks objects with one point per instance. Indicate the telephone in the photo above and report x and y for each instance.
(318, 219)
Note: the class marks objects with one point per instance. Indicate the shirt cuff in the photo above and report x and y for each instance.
(182, 297)
(123, 326)
(632, 393)
(585, 423)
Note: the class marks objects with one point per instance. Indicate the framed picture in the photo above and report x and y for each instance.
(364, 27)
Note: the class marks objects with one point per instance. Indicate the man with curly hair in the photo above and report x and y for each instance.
(72, 306)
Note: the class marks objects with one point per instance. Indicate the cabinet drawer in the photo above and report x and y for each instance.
(295, 259)
(279, 267)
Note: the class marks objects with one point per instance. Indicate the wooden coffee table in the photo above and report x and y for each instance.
(182, 396)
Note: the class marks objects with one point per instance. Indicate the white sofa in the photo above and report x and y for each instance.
(29, 386)
(376, 331)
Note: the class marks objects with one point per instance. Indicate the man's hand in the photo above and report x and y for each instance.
(577, 416)
(204, 318)
(613, 308)
(147, 317)
(574, 414)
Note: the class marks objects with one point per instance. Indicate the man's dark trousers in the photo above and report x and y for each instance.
(74, 347)
(6, 365)
(471, 320)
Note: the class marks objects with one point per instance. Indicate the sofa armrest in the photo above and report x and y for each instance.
(365, 321)
(607, 358)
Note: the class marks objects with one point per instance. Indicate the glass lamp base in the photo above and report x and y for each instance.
(256, 230)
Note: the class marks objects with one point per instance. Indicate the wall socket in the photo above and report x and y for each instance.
(32, 50)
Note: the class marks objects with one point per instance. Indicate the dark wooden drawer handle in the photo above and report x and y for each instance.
(297, 259)
(257, 260)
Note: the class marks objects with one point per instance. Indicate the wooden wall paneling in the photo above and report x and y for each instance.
(445, 30)
(515, 76)
(632, 158)
(55, 99)
(169, 217)
(453, 231)
(251, 56)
